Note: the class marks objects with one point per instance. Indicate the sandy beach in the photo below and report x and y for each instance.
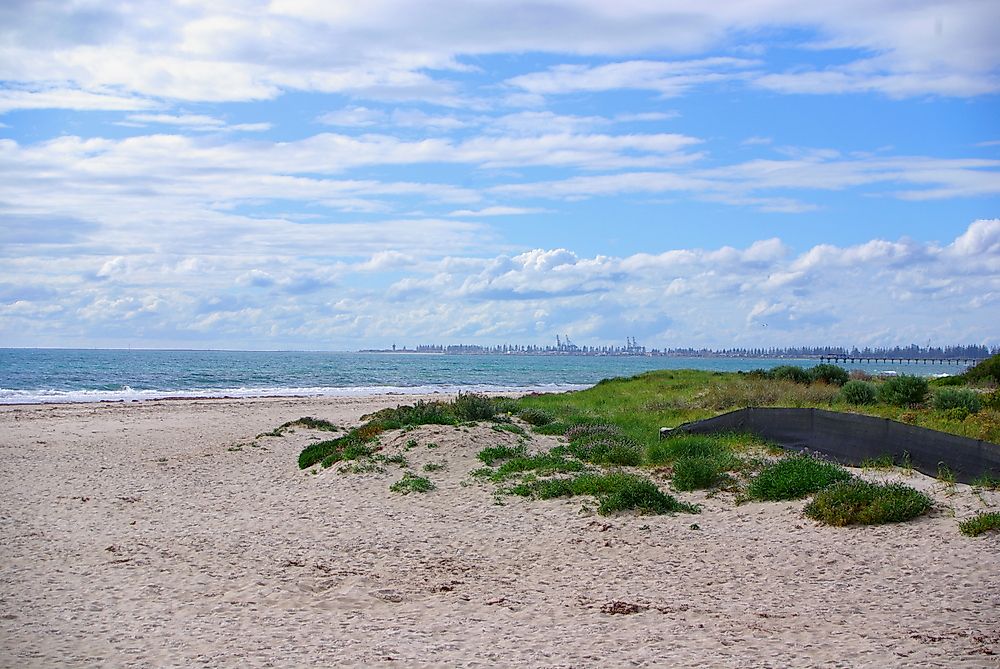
(163, 534)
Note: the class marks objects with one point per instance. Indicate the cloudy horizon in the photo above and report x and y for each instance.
(306, 175)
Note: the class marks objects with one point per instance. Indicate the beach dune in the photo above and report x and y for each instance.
(167, 534)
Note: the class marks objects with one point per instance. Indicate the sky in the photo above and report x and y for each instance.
(333, 175)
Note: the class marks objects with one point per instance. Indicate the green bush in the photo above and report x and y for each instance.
(987, 370)
(858, 502)
(473, 406)
(795, 477)
(493, 454)
(903, 390)
(790, 373)
(981, 522)
(859, 392)
(831, 374)
(954, 398)
(621, 451)
(699, 472)
(686, 446)
(536, 417)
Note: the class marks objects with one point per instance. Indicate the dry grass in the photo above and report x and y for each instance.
(738, 393)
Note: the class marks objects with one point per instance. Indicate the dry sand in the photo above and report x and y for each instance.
(145, 535)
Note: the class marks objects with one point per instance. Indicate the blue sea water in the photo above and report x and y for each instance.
(93, 375)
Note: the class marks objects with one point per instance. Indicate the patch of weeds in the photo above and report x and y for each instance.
(509, 427)
(619, 451)
(433, 466)
(536, 417)
(881, 463)
(412, 483)
(686, 446)
(410, 444)
(432, 445)
(395, 459)
(365, 466)
(906, 464)
(987, 482)
(555, 428)
(795, 477)
(615, 492)
(306, 421)
(858, 502)
(699, 472)
(473, 406)
(493, 454)
(980, 523)
(350, 451)
(946, 477)
(541, 464)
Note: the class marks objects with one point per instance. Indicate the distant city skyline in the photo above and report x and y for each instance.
(335, 176)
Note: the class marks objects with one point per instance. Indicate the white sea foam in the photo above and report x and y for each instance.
(127, 394)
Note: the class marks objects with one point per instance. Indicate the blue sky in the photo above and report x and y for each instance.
(332, 175)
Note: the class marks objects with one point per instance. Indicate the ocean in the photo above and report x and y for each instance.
(96, 375)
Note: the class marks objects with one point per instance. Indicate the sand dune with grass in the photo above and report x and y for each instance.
(171, 534)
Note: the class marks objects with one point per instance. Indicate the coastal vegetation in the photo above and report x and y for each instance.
(609, 446)
(858, 502)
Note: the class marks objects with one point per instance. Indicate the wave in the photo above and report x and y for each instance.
(127, 394)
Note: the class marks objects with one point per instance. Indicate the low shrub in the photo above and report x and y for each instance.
(980, 523)
(987, 370)
(622, 451)
(585, 430)
(795, 477)
(858, 502)
(473, 406)
(542, 464)
(903, 390)
(536, 417)
(685, 446)
(615, 492)
(859, 392)
(790, 373)
(699, 472)
(494, 454)
(412, 483)
(349, 447)
(829, 374)
(954, 398)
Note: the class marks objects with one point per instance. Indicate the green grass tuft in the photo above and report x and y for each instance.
(794, 478)
(698, 472)
(412, 483)
(493, 454)
(536, 417)
(686, 446)
(616, 492)
(858, 502)
(980, 523)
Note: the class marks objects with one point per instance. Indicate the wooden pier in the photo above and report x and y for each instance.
(968, 362)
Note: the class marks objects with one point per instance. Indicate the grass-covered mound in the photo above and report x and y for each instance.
(795, 477)
(640, 405)
(357, 442)
(858, 502)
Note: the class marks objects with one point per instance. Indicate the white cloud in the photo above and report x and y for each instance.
(386, 50)
(496, 211)
(664, 77)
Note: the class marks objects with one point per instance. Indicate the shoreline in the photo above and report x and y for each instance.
(170, 533)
